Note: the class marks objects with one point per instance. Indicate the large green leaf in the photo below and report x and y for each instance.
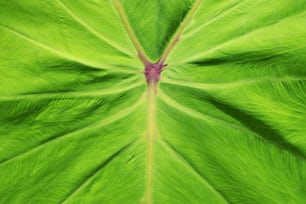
(80, 123)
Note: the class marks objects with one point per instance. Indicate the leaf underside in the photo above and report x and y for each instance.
(79, 123)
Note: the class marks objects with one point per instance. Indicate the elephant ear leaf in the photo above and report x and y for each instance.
(132, 101)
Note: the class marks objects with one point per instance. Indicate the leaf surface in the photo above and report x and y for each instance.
(224, 123)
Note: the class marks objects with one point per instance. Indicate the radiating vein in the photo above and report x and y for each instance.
(141, 53)
(121, 114)
(190, 167)
(202, 116)
(93, 31)
(284, 145)
(79, 94)
(221, 14)
(231, 85)
(252, 31)
(97, 170)
(179, 31)
(57, 52)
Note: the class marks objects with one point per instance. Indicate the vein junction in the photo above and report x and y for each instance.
(152, 73)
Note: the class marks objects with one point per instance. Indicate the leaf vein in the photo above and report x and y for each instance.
(223, 13)
(216, 48)
(97, 170)
(93, 31)
(54, 51)
(285, 146)
(235, 84)
(192, 168)
(57, 95)
(202, 116)
(141, 53)
(97, 124)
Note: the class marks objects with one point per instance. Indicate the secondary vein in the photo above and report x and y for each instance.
(55, 51)
(179, 31)
(93, 31)
(142, 55)
(121, 114)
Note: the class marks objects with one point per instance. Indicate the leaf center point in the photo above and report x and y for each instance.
(152, 72)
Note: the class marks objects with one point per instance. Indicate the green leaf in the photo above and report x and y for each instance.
(85, 116)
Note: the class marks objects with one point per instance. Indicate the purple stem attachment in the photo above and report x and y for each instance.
(152, 72)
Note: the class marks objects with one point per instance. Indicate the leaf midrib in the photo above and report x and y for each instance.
(152, 88)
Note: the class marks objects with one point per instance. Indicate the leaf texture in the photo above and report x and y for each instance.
(79, 122)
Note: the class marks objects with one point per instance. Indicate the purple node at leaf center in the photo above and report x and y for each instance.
(152, 72)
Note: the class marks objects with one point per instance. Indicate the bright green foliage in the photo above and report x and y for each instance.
(76, 116)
